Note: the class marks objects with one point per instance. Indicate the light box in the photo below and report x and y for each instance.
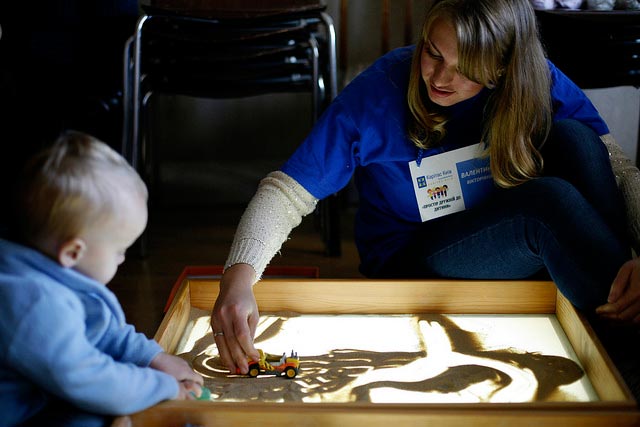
(435, 308)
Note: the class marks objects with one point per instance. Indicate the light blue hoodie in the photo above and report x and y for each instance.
(64, 334)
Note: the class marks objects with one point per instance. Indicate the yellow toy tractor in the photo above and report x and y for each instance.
(271, 364)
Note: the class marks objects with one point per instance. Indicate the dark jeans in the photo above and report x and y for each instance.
(569, 222)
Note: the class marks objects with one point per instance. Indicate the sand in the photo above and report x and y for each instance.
(400, 358)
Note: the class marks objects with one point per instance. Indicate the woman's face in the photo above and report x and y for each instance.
(439, 66)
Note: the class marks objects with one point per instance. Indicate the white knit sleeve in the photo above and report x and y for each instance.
(628, 178)
(278, 207)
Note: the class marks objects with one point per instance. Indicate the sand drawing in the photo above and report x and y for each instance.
(426, 358)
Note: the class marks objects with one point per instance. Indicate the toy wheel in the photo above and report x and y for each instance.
(290, 372)
(254, 370)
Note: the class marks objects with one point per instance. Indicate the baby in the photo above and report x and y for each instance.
(64, 341)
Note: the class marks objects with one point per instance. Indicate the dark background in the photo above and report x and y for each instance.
(60, 68)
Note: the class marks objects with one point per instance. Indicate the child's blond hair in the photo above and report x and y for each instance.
(75, 183)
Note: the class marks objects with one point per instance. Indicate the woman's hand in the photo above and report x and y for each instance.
(623, 303)
(235, 317)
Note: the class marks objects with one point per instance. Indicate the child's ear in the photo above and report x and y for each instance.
(71, 252)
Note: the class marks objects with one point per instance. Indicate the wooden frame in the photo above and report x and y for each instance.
(616, 406)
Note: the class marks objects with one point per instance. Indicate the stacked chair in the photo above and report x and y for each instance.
(229, 49)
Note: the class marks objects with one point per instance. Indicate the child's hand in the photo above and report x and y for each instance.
(189, 390)
(177, 368)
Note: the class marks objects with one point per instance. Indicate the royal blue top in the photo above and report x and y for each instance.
(63, 334)
(364, 132)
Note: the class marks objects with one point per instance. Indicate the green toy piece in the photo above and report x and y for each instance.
(205, 395)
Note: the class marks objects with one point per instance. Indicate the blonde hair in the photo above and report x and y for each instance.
(499, 47)
(71, 185)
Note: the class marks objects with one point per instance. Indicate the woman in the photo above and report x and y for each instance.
(536, 193)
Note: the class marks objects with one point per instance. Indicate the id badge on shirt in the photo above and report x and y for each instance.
(451, 181)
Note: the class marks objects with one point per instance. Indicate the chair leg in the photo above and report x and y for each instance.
(315, 95)
(331, 41)
(136, 100)
(330, 207)
(135, 113)
(127, 99)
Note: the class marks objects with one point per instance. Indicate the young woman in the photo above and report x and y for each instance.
(474, 106)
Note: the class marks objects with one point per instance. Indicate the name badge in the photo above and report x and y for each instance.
(451, 182)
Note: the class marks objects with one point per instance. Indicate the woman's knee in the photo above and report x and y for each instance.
(572, 140)
(547, 196)
(572, 130)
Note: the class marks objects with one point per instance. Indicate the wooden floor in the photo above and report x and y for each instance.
(195, 236)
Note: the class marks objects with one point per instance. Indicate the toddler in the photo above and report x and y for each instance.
(65, 347)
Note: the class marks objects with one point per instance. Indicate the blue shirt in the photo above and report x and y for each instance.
(363, 133)
(63, 334)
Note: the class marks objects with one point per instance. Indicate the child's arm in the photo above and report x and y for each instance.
(127, 345)
(50, 350)
(180, 370)
(136, 348)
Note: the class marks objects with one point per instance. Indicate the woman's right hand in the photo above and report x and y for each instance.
(235, 317)
(623, 303)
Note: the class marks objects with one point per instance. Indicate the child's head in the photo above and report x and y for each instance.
(82, 204)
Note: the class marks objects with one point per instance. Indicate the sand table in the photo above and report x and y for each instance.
(427, 358)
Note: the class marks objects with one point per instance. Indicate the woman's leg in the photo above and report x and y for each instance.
(575, 153)
(570, 222)
(545, 222)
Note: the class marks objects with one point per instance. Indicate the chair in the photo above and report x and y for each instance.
(228, 50)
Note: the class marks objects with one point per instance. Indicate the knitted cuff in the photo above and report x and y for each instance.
(249, 251)
(277, 207)
(628, 178)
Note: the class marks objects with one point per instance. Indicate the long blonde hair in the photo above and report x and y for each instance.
(70, 186)
(499, 47)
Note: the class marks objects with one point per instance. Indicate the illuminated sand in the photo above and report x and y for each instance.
(425, 358)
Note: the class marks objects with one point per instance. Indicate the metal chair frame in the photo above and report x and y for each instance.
(135, 147)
